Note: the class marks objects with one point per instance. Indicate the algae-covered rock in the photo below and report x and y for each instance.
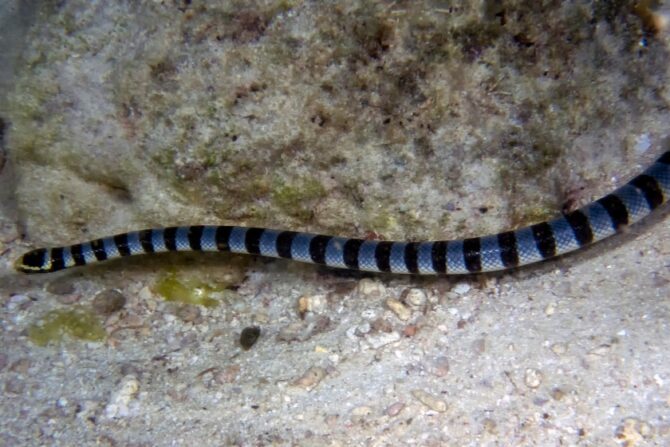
(193, 288)
(410, 116)
(186, 292)
(77, 322)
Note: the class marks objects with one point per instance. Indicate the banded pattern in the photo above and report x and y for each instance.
(594, 222)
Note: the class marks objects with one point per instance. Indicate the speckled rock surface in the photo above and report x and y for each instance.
(409, 121)
(400, 119)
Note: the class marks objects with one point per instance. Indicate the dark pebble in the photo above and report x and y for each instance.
(108, 301)
(61, 286)
(188, 313)
(249, 336)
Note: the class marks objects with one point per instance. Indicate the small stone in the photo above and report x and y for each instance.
(292, 332)
(303, 306)
(410, 330)
(642, 143)
(314, 304)
(382, 339)
(557, 394)
(533, 378)
(188, 313)
(601, 350)
(68, 299)
(381, 325)
(304, 330)
(311, 378)
(489, 426)
(395, 409)
(61, 286)
(318, 325)
(398, 308)
(414, 298)
(227, 375)
(361, 329)
(249, 337)
(108, 301)
(430, 401)
(439, 367)
(550, 309)
(559, 348)
(3, 360)
(479, 346)
(118, 405)
(633, 432)
(261, 317)
(368, 287)
(461, 288)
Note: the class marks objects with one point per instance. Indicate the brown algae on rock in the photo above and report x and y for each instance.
(77, 322)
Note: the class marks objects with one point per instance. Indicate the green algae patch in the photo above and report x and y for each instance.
(77, 322)
(187, 292)
(297, 198)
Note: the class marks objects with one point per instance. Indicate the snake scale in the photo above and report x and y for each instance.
(571, 231)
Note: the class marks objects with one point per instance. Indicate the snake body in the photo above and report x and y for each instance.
(571, 231)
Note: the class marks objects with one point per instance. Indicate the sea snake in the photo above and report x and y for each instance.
(569, 232)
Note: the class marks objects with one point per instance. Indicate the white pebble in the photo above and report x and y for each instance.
(316, 304)
(395, 409)
(550, 309)
(642, 143)
(398, 308)
(370, 287)
(311, 378)
(364, 328)
(461, 288)
(381, 339)
(601, 350)
(120, 400)
(533, 378)
(415, 298)
(432, 402)
(559, 348)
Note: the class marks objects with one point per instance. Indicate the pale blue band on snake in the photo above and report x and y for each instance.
(571, 231)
